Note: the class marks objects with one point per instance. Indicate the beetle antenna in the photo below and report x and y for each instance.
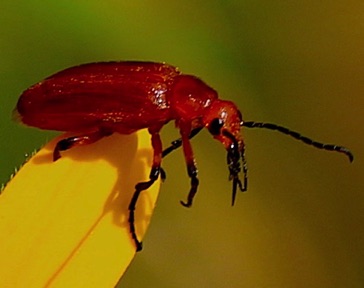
(298, 136)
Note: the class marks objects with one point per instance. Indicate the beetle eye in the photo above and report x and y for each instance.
(215, 126)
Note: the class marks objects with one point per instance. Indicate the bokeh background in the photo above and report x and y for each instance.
(296, 63)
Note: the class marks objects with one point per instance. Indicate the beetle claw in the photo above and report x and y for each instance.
(185, 204)
(192, 193)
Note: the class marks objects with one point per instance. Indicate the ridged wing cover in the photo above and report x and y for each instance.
(126, 96)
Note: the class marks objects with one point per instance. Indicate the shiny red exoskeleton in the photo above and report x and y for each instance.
(99, 99)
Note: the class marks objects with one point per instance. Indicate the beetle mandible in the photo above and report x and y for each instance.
(103, 98)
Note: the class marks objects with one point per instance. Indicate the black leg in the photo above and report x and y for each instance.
(156, 171)
(178, 143)
(141, 186)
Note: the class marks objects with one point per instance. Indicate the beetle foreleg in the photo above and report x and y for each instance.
(192, 173)
(186, 134)
(141, 186)
(86, 139)
(175, 145)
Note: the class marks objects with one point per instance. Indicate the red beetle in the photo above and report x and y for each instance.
(99, 99)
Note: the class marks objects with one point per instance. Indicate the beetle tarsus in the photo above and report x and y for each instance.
(131, 219)
(62, 145)
(56, 155)
(192, 173)
(192, 193)
(185, 204)
(139, 187)
(190, 197)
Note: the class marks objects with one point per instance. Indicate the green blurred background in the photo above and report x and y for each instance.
(296, 63)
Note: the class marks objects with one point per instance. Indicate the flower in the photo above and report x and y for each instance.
(65, 223)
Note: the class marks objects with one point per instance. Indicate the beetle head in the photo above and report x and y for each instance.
(223, 120)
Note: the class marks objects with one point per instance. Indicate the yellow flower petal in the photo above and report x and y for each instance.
(65, 223)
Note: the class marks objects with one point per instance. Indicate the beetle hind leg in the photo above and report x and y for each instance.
(86, 139)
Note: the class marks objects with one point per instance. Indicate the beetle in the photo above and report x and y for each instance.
(99, 99)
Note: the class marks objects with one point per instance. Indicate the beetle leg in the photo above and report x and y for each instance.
(178, 143)
(185, 129)
(86, 139)
(141, 186)
(175, 145)
(192, 173)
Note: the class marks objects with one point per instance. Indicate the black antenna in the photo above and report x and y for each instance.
(298, 136)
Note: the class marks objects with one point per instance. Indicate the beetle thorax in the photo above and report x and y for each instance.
(191, 97)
